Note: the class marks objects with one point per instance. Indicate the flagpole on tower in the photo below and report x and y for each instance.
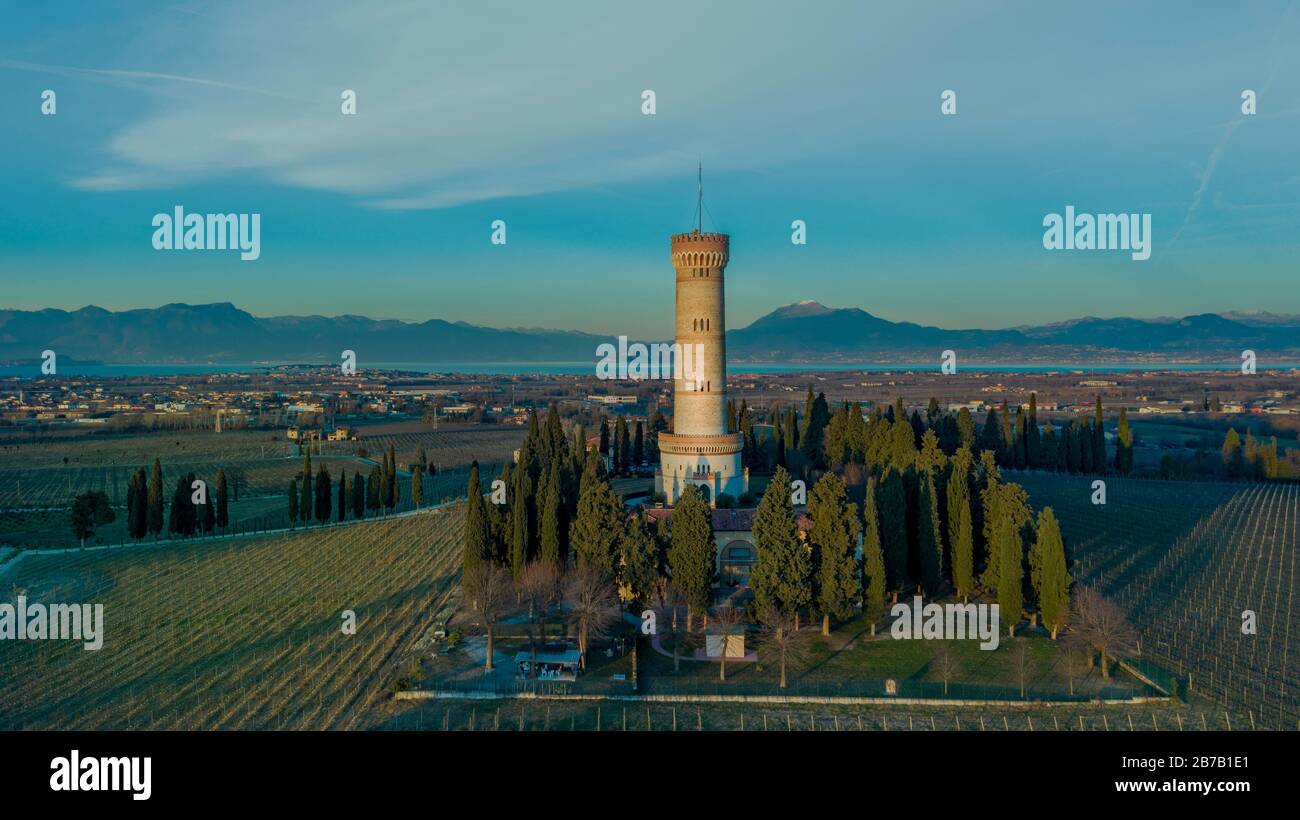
(699, 205)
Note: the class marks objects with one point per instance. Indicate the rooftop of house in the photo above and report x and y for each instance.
(740, 519)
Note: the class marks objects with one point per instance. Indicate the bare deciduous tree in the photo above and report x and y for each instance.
(946, 664)
(780, 642)
(539, 586)
(728, 621)
(1103, 624)
(491, 586)
(668, 603)
(593, 606)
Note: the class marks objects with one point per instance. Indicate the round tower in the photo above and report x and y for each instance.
(700, 450)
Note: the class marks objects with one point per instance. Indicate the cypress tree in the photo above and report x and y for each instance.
(1075, 453)
(1021, 446)
(893, 530)
(692, 556)
(476, 535)
(1123, 444)
(622, 450)
(596, 528)
(417, 486)
(394, 489)
(138, 512)
(1010, 572)
(1033, 439)
(834, 539)
(323, 495)
(991, 433)
(929, 542)
(638, 446)
(961, 539)
(778, 569)
(1051, 581)
(344, 498)
(209, 518)
(307, 496)
(176, 515)
(776, 537)
(965, 428)
(358, 495)
(549, 529)
(373, 489)
(873, 558)
(1099, 440)
(223, 500)
(156, 499)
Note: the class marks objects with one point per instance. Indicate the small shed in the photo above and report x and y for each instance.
(549, 663)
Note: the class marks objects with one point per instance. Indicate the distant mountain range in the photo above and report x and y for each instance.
(805, 332)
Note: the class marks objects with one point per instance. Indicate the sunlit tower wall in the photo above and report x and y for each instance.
(699, 450)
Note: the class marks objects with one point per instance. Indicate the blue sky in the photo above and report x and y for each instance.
(530, 113)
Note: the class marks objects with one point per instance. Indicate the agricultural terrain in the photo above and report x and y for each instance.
(243, 633)
(1188, 560)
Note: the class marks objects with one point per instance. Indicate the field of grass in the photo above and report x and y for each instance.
(852, 663)
(1187, 559)
(237, 634)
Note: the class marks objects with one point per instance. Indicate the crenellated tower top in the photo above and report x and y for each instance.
(696, 249)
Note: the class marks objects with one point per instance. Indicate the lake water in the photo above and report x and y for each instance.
(588, 368)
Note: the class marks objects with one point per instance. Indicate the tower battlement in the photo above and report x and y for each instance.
(700, 250)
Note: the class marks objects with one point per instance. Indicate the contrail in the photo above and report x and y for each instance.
(146, 75)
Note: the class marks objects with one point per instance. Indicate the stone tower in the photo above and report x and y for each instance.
(699, 450)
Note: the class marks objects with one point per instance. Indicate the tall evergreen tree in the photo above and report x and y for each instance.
(1099, 440)
(521, 524)
(893, 530)
(475, 550)
(1020, 452)
(1123, 444)
(874, 580)
(223, 500)
(966, 427)
(623, 448)
(358, 495)
(929, 542)
(1051, 580)
(1033, 439)
(417, 486)
(208, 519)
(324, 493)
(780, 577)
(599, 523)
(394, 489)
(961, 539)
(991, 433)
(834, 540)
(156, 499)
(137, 515)
(638, 446)
(307, 495)
(344, 498)
(550, 547)
(693, 553)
